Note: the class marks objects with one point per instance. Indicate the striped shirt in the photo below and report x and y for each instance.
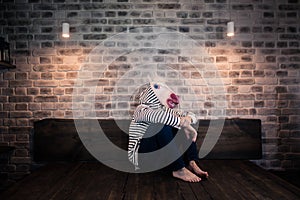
(149, 111)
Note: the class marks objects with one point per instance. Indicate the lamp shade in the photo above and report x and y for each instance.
(65, 30)
(230, 29)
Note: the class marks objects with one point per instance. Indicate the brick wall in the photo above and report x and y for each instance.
(115, 44)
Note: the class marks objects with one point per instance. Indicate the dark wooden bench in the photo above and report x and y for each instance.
(69, 172)
(58, 140)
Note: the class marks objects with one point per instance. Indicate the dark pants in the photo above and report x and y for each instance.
(164, 137)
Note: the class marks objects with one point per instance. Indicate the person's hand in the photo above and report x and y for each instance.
(185, 121)
(190, 132)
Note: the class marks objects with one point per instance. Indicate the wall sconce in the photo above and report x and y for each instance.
(230, 29)
(5, 61)
(230, 24)
(65, 30)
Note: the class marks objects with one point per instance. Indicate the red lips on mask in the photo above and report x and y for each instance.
(173, 100)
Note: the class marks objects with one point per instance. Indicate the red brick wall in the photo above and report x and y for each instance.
(259, 66)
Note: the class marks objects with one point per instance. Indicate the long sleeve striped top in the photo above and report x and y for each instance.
(150, 111)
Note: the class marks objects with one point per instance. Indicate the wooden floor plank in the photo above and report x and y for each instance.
(166, 187)
(117, 187)
(219, 178)
(228, 179)
(256, 185)
(139, 186)
(214, 191)
(230, 169)
(186, 191)
(254, 180)
(199, 190)
(39, 182)
(95, 181)
(72, 183)
(274, 187)
(238, 180)
(247, 182)
(275, 179)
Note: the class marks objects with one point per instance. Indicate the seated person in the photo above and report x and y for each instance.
(157, 103)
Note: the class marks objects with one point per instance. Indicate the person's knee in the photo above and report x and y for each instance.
(165, 134)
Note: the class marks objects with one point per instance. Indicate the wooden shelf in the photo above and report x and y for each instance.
(5, 65)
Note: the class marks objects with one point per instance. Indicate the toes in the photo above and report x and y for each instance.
(187, 175)
(195, 179)
(205, 174)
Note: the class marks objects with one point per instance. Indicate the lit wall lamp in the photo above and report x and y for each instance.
(230, 24)
(65, 30)
(230, 29)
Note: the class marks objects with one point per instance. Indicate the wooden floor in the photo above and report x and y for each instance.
(228, 180)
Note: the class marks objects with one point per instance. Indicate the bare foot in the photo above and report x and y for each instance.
(186, 175)
(195, 168)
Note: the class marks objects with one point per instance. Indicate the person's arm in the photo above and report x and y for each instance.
(146, 114)
(181, 113)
